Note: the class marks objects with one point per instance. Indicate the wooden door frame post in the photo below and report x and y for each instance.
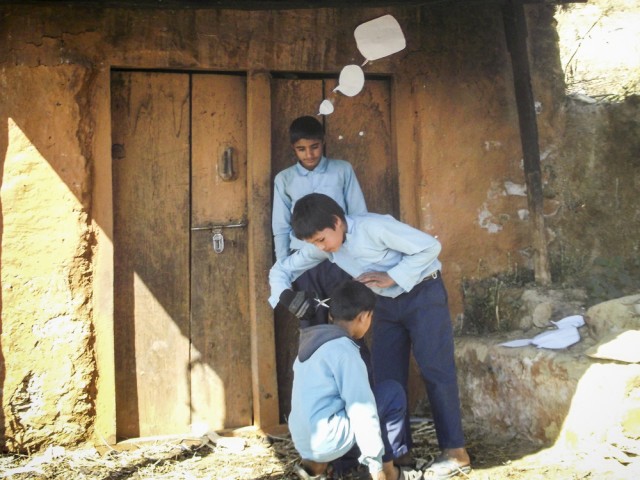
(515, 27)
(263, 357)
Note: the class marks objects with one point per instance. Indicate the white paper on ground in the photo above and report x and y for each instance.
(379, 37)
(351, 81)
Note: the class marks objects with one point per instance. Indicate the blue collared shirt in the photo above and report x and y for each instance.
(334, 178)
(373, 243)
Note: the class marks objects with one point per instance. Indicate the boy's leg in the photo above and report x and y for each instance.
(390, 347)
(432, 342)
(321, 280)
(391, 401)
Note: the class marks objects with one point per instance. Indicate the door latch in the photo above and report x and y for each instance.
(217, 239)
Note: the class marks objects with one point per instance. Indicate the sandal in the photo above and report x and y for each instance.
(406, 473)
(304, 475)
(447, 468)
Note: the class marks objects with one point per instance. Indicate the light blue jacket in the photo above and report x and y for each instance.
(334, 178)
(332, 405)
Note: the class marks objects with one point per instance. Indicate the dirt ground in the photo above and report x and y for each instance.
(272, 457)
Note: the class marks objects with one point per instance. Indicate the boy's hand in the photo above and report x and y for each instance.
(376, 279)
(301, 304)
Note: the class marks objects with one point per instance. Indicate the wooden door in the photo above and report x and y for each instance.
(180, 311)
(358, 131)
(220, 332)
(151, 251)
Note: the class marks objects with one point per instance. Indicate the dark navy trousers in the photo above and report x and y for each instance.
(419, 320)
(391, 402)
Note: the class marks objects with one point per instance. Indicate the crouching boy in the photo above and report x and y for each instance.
(333, 407)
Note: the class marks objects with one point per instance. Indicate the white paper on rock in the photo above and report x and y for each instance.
(565, 335)
(379, 37)
(523, 342)
(571, 321)
(560, 338)
(351, 81)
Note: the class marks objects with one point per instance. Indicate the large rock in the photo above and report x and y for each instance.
(562, 396)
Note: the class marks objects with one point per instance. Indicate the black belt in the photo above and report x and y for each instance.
(432, 276)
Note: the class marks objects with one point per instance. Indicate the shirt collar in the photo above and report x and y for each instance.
(321, 168)
(349, 233)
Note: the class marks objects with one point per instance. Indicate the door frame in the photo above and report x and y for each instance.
(264, 381)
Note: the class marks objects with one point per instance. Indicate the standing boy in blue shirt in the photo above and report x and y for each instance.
(400, 264)
(333, 407)
(312, 173)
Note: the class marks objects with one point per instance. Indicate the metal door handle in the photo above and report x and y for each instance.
(225, 165)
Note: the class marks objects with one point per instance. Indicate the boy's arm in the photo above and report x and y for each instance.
(419, 250)
(281, 219)
(353, 197)
(360, 404)
(285, 271)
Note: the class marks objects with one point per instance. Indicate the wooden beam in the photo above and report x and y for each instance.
(263, 354)
(516, 36)
(268, 4)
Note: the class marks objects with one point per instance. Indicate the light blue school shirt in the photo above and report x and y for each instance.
(373, 243)
(333, 407)
(334, 178)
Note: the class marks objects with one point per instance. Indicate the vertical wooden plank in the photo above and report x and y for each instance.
(406, 152)
(150, 126)
(359, 131)
(515, 26)
(221, 347)
(263, 358)
(290, 99)
(103, 275)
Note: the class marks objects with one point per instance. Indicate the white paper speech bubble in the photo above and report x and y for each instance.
(379, 38)
(351, 81)
(326, 108)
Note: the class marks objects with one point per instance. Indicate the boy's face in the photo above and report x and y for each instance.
(309, 152)
(329, 239)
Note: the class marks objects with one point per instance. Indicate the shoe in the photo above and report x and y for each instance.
(446, 468)
(304, 475)
(406, 473)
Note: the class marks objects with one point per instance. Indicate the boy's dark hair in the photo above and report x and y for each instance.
(306, 127)
(313, 213)
(349, 299)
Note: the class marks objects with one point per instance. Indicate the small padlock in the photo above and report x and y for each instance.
(218, 241)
